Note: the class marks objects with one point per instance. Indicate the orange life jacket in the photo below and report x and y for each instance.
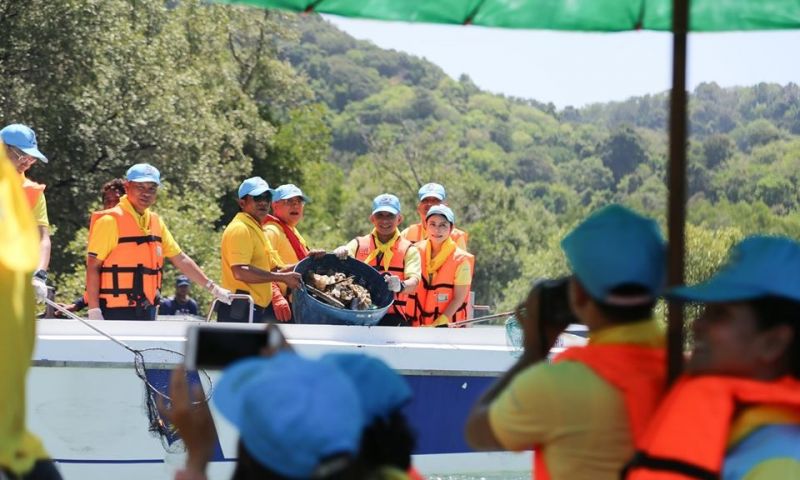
(638, 372)
(366, 244)
(131, 274)
(688, 435)
(416, 233)
(32, 190)
(435, 293)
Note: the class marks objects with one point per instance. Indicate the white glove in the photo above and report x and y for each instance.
(221, 294)
(341, 252)
(394, 283)
(39, 289)
(95, 314)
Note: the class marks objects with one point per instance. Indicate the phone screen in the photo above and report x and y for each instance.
(219, 347)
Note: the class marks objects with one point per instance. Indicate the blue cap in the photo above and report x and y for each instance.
(22, 137)
(291, 412)
(444, 211)
(182, 280)
(143, 172)
(381, 389)
(288, 191)
(386, 202)
(253, 186)
(613, 247)
(758, 266)
(432, 190)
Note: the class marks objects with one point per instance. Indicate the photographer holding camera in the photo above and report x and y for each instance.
(583, 412)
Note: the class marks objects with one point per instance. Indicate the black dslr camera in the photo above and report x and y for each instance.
(554, 309)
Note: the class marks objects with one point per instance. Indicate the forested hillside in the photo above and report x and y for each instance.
(213, 94)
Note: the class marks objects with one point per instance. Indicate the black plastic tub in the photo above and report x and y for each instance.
(308, 309)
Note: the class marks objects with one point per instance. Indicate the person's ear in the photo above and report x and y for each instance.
(578, 296)
(775, 342)
(399, 218)
(241, 203)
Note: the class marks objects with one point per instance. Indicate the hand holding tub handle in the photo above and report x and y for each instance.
(394, 283)
(341, 252)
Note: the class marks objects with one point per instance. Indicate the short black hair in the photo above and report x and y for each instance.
(628, 314)
(387, 442)
(117, 184)
(772, 311)
(248, 468)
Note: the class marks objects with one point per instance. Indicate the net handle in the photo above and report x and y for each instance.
(86, 322)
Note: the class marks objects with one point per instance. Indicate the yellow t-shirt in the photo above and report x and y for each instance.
(19, 256)
(40, 212)
(244, 243)
(412, 264)
(577, 417)
(280, 242)
(463, 274)
(105, 234)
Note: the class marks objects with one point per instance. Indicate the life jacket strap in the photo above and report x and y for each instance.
(643, 460)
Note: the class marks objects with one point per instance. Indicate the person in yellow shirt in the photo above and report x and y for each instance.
(446, 273)
(429, 195)
(249, 261)
(288, 205)
(389, 253)
(127, 247)
(21, 453)
(584, 412)
(23, 151)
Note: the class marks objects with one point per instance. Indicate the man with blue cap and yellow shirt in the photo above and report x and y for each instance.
(249, 261)
(735, 414)
(390, 254)
(429, 195)
(126, 252)
(584, 412)
(23, 151)
(21, 453)
(288, 205)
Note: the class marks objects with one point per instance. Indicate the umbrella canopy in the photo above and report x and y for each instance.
(579, 15)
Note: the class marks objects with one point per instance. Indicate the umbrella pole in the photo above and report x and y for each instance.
(677, 183)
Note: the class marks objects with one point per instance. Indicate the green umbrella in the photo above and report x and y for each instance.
(585, 15)
(678, 16)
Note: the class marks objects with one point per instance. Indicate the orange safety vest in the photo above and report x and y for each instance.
(435, 293)
(131, 274)
(638, 372)
(366, 244)
(416, 233)
(688, 435)
(32, 190)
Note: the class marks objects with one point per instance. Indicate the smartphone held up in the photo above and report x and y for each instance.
(217, 345)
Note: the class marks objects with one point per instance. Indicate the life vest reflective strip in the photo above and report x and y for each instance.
(688, 435)
(638, 372)
(435, 294)
(131, 274)
(415, 233)
(366, 244)
(32, 190)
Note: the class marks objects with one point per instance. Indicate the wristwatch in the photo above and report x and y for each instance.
(402, 285)
(41, 274)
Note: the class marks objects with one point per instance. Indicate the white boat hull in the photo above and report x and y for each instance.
(87, 404)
